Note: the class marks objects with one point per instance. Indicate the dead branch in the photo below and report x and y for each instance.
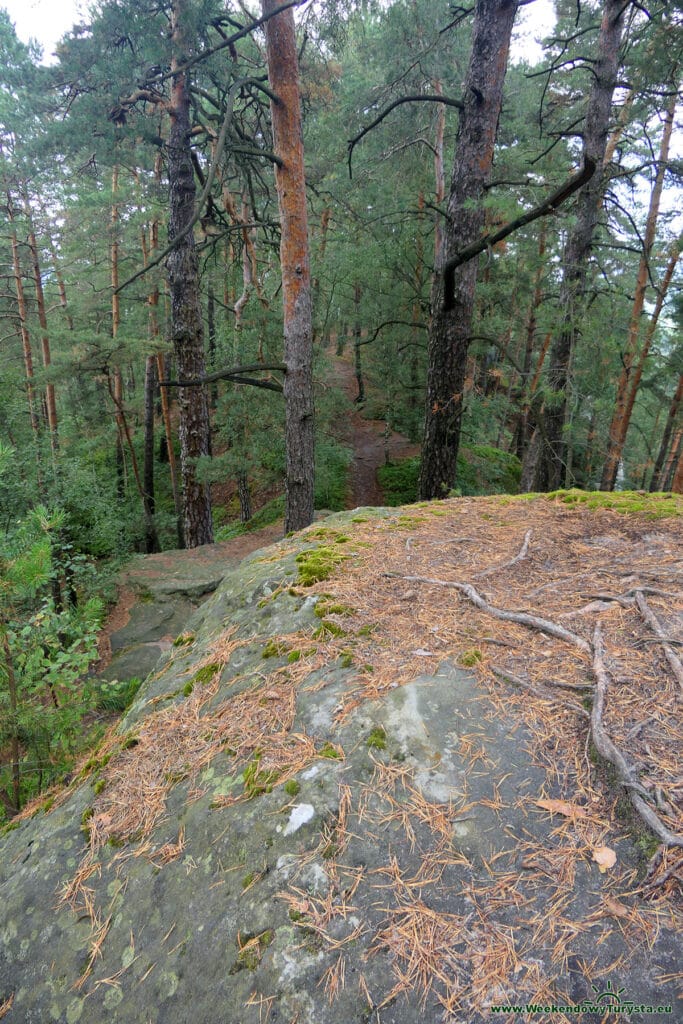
(506, 565)
(424, 98)
(654, 624)
(487, 241)
(607, 749)
(206, 191)
(234, 374)
(521, 618)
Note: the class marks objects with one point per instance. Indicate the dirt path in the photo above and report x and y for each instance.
(184, 577)
(372, 444)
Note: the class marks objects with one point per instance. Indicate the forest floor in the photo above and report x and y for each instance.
(574, 566)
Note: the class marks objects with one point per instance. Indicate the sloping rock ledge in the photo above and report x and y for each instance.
(254, 845)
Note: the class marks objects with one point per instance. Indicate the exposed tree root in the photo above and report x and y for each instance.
(521, 618)
(626, 773)
(607, 749)
(506, 565)
(654, 624)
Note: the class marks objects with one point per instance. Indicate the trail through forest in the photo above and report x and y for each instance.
(157, 593)
(373, 445)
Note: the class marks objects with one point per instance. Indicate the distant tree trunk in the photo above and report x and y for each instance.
(357, 331)
(50, 398)
(295, 266)
(115, 323)
(673, 461)
(211, 324)
(677, 482)
(450, 331)
(25, 338)
(186, 314)
(244, 496)
(628, 386)
(58, 274)
(656, 483)
(551, 448)
(522, 427)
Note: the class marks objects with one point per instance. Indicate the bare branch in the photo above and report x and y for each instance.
(236, 374)
(426, 98)
(220, 144)
(548, 205)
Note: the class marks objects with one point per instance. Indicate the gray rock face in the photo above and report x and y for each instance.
(247, 854)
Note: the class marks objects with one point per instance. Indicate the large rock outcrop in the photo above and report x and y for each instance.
(317, 812)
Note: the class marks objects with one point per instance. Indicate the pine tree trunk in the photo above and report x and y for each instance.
(450, 331)
(552, 457)
(186, 314)
(625, 396)
(656, 482)
(244, 496)
(295, 266)
(149, 505)
(673, 460)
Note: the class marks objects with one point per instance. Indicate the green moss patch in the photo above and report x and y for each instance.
(206, 673)
(257, 780)
(327, 629)
(659, 505)
(377, 739)
(324, 608)
(470, 658)
(274, 649)
(318, 564)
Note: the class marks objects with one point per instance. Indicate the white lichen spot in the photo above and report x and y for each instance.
(311, 772)
(301, 814)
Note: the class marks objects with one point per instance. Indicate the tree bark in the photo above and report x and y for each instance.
(186, 314)
(658, 473)
(450, 330)
(626, 386)
(148, 502)
(295, 266)
(552, 443)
